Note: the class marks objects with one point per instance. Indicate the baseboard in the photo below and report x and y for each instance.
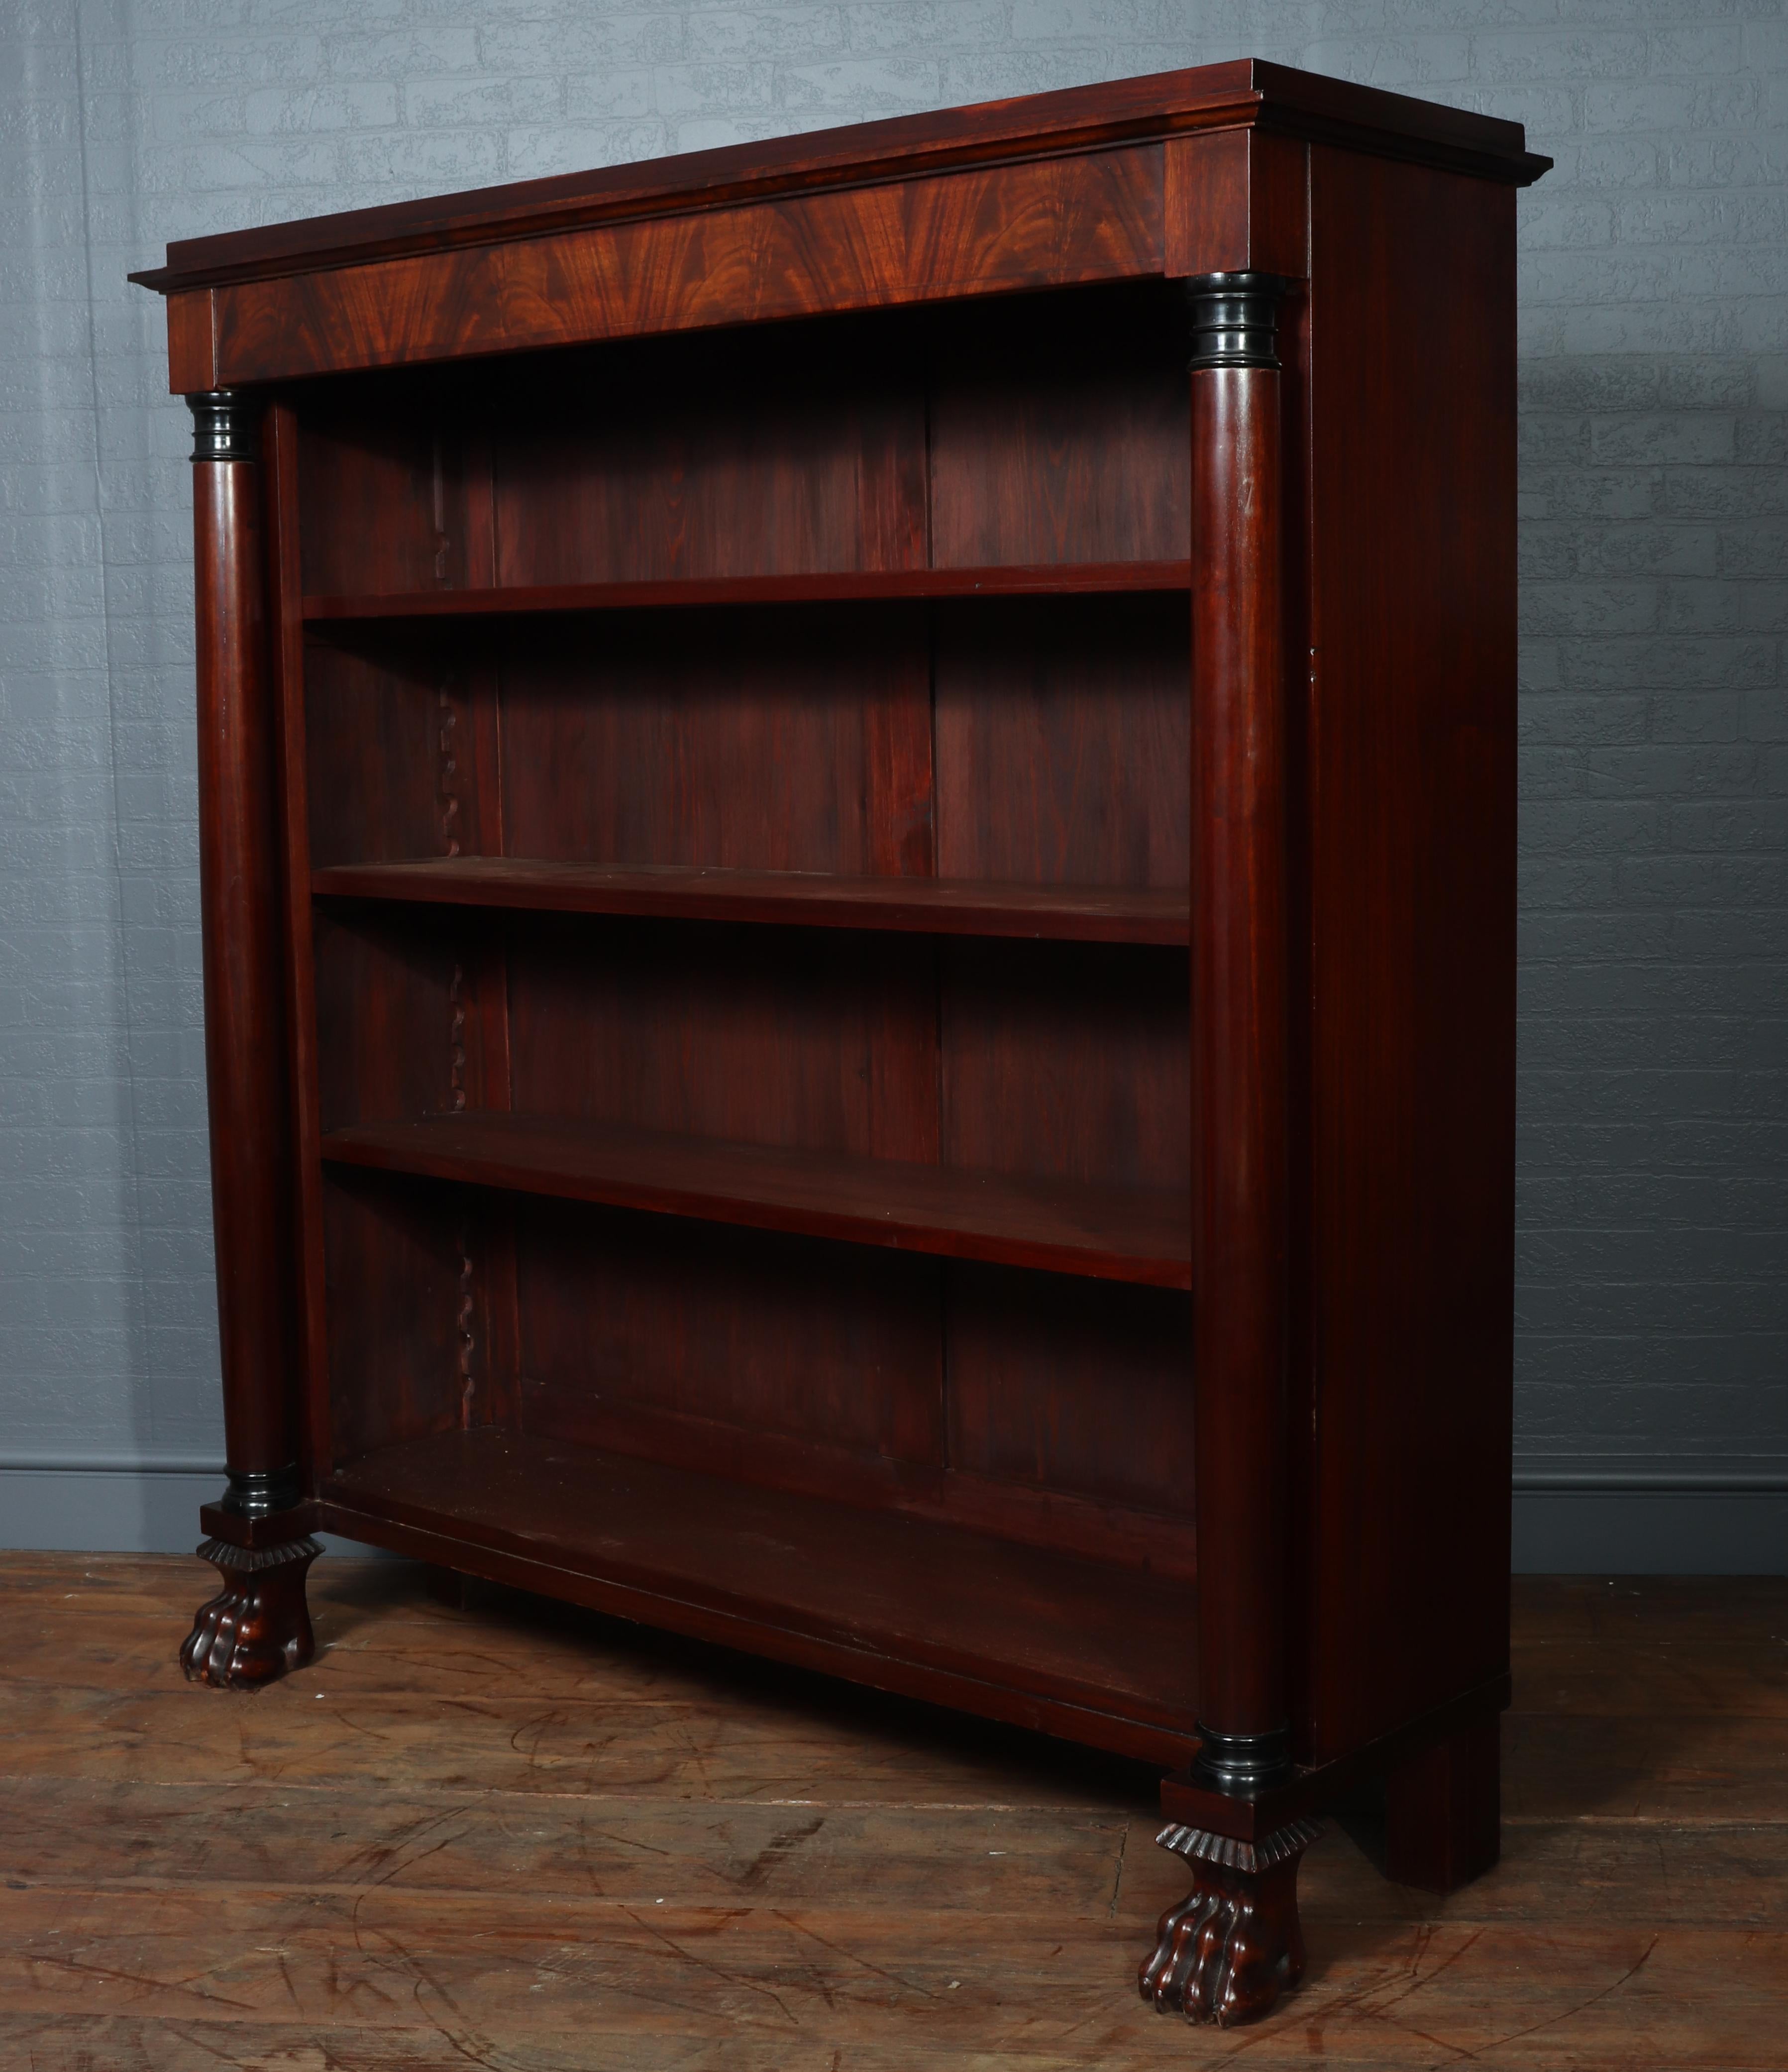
(114, 1507)
(1572, 1518)
(1651, 1532)
(1642, 1514)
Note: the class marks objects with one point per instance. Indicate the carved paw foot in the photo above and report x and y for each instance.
(1227, 1952)
(258, 1626)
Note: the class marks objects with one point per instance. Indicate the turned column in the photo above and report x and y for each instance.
(1227, 1952)
(1239, 1031)
(254, 1631)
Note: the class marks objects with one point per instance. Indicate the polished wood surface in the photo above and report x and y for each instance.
(729, 870)
(502, 1833)
(1136, 1233)
(245, 1032)
(887, 1597)
(1411, 1162)
(1219, 98)
(855, 218)
(1004, 230)
(690, 892)
(1239, 1116)
(870, 585)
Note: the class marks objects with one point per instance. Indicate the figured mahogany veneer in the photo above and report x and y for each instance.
(810, 899)
(857, 814)
(866, 586)
(1116, 1234)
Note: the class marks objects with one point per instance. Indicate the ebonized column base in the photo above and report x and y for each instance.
(257, 1628)
(1228, 1951)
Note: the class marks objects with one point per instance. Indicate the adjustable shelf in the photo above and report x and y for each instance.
(1014, 1627)
(811, 899)
(864, 587)
(1138, 1234)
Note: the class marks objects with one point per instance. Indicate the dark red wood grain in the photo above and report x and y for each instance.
(1219, 98)
(683, 593)
(1240, 1289)
(1412, 1161)
(804, 898)
(1125, 1234)
(1443, 1810)
(1045, 222)
(903, 1603)
(245, 1036)
(281, 507)
(768, 681)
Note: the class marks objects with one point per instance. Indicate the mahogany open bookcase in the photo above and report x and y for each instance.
(857, 805)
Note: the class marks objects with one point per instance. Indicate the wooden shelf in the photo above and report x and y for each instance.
(868, 586)
(1132, 1234)
(810, 899)
(905, 1602)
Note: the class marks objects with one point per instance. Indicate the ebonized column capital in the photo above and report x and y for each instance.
(226, 424)
(1234, 319)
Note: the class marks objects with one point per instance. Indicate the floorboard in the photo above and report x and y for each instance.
(531, 1838)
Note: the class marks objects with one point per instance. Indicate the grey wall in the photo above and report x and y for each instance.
(1653, 1327)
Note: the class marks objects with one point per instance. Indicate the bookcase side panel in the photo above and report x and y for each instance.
(1412, 892)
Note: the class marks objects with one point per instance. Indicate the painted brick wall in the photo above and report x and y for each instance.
(1654, 1328)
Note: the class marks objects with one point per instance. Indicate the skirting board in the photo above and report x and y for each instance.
(1651, 1532)
(1600, 1522)
(113, 1511)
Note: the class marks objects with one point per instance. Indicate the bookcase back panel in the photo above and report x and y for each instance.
(1063, 741)
(371, 478)
(770, 1036)
(1060, 429)
(398, 1291)
(767, 739)
(1077, 1386)
(639, 1331)
(389, 990)
(798, 448)
(1065, 1060)
(389, 763)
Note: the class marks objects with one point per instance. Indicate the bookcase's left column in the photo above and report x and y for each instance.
(257, 1627)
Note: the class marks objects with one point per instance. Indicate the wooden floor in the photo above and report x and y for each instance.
(534, 1840)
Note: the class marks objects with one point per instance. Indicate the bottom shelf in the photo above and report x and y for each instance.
(1103, 1655)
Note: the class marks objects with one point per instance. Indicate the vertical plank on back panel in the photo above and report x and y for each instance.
(368, 519)
(283, 490)
(801, 449)
(1059, 431)
(495, 1376)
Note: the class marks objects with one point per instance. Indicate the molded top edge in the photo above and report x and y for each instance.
(1248, 92)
